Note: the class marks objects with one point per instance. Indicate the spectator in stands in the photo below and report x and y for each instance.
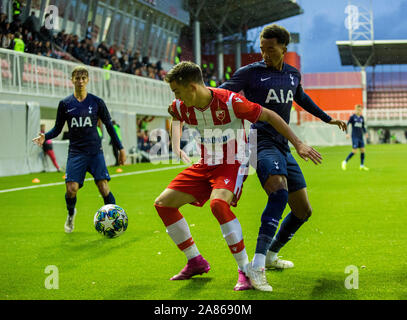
(27, 35)
(17, 7)
(125, 63)
(107, 66)
(116, 64)
(45, 33)
(135, 59)
(47, 51)
(19, 44)
(89, 31)
(103, 49)
(151, 71)
(146, 146)
(117, 129)
(48, 149)
(15, 25)
(32, 24)
(3, 23)
(7, 41)
(59, 38)
(142, 123)
(70, 47)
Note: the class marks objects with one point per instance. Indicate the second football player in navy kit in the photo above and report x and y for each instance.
(81, 111)
(358, 130)
(275, 85)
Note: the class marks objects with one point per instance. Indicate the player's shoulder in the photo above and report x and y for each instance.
(291, 69)
(252, 67)
(95, 98)
(221, 94)
(67, 100)
(176, 103)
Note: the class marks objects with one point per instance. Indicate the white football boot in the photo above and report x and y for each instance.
(258, 278)
(69, 223)
(277, 263)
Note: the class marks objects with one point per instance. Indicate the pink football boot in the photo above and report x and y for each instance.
(197, 265)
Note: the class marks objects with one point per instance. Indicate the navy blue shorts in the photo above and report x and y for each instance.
(271, 161)
(358, 143)
(78, 164)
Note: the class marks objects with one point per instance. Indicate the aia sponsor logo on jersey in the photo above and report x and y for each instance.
(81, 122)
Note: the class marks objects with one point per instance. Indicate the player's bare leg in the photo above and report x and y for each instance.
(70, 198)
(105, 192)
(232, 232)
(167, 205)
(300, 212)
(344, 162)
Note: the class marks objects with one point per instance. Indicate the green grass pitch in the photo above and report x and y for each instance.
(359, 218)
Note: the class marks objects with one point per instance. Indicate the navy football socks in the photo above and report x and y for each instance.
(288, 228)
(362, 158)
(350, 155)
(70, 204)
(270, 219)
(109, 199)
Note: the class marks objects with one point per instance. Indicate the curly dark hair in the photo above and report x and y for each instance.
(275, 31)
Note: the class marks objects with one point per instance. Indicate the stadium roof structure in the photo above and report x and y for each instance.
(363, 53)
(231, 16)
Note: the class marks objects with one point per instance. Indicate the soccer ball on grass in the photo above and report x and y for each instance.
(111, 220)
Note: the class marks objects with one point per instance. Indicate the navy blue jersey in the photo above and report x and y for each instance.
(275, 90)
(82, 118)
(358, 126)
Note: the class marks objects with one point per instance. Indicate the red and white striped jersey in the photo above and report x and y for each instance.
(220, 124)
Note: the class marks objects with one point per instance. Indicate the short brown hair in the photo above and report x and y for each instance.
(275, 31)
(80, 70)
(184, 73)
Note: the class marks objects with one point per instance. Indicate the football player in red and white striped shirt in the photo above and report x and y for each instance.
(217, 114)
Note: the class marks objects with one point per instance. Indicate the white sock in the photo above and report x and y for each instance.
(272, 255)
(242, 260)
(259, 261)
(191, 252)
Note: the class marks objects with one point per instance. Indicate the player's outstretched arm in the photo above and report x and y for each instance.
(122, 156)
(39, 140)
(304, 151)
(176, 131)
(341, 124)
(56, 130)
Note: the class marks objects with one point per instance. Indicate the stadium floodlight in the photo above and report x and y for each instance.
(359, 21)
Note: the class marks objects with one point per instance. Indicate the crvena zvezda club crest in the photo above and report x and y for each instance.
(220, 114)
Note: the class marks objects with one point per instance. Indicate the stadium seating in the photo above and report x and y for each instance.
(387, 99)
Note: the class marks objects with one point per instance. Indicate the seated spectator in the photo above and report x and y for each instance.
(7, 41)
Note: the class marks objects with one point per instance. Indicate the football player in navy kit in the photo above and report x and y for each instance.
(81, 110)
(275, 85)
(358, 129)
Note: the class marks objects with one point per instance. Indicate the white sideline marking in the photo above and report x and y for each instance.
(90, 179)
